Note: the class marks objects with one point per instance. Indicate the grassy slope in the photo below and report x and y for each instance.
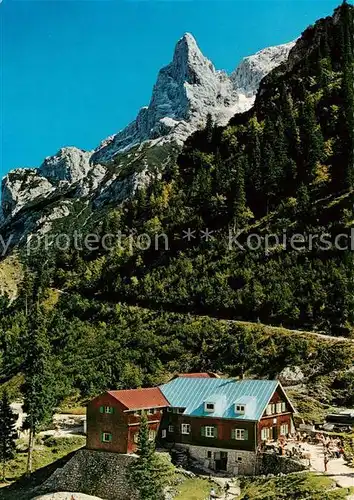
(293, 486)
(45, 453)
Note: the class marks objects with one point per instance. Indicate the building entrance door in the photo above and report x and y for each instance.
(220, 458)
(275, 433)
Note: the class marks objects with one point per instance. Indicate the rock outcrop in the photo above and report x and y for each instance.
(186, 91)
(94, 473)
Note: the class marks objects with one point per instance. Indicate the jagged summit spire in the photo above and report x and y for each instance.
(187, 51)
(186, 91)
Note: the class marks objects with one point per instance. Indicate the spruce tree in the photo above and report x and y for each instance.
(149, 474)
(8, 432)
(311, 142)
(38, 388)
(239, 207)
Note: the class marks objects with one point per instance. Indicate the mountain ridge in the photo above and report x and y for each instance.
(186, 91)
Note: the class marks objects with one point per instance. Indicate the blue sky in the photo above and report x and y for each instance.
(74, 72)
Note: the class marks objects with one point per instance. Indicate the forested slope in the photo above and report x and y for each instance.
(283, 168)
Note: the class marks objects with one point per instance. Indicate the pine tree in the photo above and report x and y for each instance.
(149, 473)
(38, 388)
(8, 432)
(311, 142)
(239, 206)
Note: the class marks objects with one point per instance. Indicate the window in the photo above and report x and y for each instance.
(152, 435)
(265, 433)
(273, 408)
(137, 413)
(136, 437)
(185, 428)
(180, 410)
(284, 429)
(170, 428)
(239, 434)
(283, 407)
(240, 409)
(209, 455)
(209, 406)
(210, 431)
(106, 437)
(169, 410)
(151, 411)
(239, 459)
(163, 433)
(269, 410)
(106, 409)
(278, 407)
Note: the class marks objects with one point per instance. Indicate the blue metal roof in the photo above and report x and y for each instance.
(193, 393)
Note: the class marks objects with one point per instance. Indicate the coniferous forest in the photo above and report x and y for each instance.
(125, 318)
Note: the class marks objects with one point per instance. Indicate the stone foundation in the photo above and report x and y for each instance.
(239, 462)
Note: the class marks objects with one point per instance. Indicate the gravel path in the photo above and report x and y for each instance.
(337, 468)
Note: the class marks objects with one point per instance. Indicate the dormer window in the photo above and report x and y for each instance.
(209, 407)
(240, 409)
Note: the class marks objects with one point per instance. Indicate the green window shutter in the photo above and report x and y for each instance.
(110, 437)
(246, 435)
(215, 432)
(101, 409)
(202, 431)
(232, 433)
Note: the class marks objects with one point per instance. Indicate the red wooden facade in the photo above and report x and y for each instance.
(113, 423)
(114, 427)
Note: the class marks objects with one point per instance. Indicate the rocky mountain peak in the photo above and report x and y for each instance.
(188, 61)
(69, 164)
(186, 91)
(252, 69)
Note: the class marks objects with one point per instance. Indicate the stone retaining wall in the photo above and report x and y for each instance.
(270, 463)
(95, 473)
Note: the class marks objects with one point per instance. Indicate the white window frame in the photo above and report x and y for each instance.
(239, 434)
(163, 433)
(108, 409)
(185, 429)
(265, 433)
(269, 409)
(284, 429)
(278, 408)
(206, 404)
(151, 411)
(171, 428)
(137, 413)
(209, 431)
(283, 407)
(152, 434)
(273, 407)
(241, 409)
(109, 439)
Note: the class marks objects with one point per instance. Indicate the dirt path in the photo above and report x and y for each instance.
(337, 469)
